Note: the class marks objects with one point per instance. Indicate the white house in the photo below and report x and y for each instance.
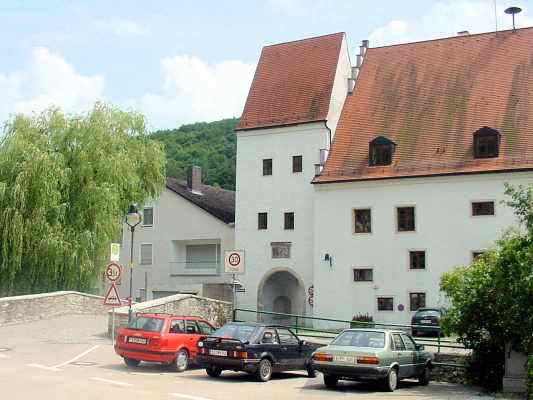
(413, 182)
(179, 247)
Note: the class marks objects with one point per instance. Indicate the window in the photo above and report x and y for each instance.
(385, 304)
(269, 336)
(286, 337)
(482, 208)
(281, 249)
(486, 143)
(417, 259)
(267, 166)
(417, 300)
(408, 342)
(201, 256)
(177, 326)
(262, 220)
(362, 220)
(146, 254)
(380, 151)
(476, 255)
(296, 163)
(191, 327)
(205, 328)
(148, 216)
(289, 220)
(405, 219)
(363, 275)
(398, 342)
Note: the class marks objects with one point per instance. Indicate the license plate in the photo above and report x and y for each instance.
(138, 340)
(220, 353)
(344, 359)
(425, 321)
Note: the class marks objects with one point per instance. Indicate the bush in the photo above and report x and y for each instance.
(362, 321)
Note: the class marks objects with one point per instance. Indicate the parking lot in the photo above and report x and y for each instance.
(70, 358)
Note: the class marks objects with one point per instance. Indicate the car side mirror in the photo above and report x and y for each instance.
(301, 342)
(419, 347)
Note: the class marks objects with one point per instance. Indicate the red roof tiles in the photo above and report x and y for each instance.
(292, 83)
(429, 98)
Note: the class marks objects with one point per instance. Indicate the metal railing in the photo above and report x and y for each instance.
(297, 323)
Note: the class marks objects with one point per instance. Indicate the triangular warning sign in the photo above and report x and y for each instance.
(112, 298)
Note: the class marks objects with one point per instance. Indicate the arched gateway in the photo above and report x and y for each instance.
(282, 291)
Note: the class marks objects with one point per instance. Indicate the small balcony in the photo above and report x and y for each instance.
(195, 257)
(194, 268)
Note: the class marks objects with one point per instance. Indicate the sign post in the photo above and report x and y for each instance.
(234, 265)
(113, 272)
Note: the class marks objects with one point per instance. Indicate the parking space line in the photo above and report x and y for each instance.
(44, 367)
(77, 357)
(188, 397)
(117, 383)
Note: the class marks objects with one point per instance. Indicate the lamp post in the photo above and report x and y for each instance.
(133, 218)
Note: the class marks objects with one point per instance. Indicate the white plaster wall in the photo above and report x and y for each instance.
(284, 191)
(175, 219)
(444, 228)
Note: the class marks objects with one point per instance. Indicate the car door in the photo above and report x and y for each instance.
(269, 343)
(403, 356)
(176, 333)
(291, 349)
(192, 336)
(418, 361)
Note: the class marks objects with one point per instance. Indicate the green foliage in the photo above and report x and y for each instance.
(65, 184)
(212, 146)
(491, 298)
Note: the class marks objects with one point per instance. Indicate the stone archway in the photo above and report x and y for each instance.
(282, 291)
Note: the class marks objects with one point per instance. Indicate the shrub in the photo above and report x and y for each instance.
(362, 321)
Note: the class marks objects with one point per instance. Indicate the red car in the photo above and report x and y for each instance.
(163, 338)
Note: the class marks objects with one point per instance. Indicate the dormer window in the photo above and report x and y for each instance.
(486, 143)
(381, 151)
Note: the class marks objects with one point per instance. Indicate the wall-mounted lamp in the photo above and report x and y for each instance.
(328, 258)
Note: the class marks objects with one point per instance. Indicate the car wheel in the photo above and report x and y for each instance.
(311, 373)
(330, 381)
(213, 372)
(181, 362)
(130, 362)
(390, 383)
(425, 377)
(264, 370)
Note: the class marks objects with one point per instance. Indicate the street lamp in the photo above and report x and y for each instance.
(133, 218)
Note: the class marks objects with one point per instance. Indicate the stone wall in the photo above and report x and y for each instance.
(19, 309)
(215, 311)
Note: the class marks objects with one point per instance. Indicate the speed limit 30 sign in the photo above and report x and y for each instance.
(234, 262)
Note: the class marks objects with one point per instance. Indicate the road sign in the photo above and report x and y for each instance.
(234, 262)
(115, 252)
(112, 297)
(113, 271)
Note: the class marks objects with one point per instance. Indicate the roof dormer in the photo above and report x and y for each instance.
(486, 143)
(380, 151)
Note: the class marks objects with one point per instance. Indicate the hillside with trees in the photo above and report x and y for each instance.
(211, 145)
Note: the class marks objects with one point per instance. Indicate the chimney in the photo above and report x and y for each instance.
(463, 33)
(194, 179)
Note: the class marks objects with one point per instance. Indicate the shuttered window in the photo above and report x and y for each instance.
(148, 216)
(146, 254)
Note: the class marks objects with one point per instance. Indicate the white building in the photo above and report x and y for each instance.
(179, 247)
(414, 180)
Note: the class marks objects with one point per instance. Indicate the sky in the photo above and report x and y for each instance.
(182, 61)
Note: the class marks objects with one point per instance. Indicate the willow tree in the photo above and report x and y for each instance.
(66, 182)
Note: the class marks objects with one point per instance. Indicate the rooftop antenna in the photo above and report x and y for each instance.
(513, 11)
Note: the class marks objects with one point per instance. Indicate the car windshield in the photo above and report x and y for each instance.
(147, 324)
(428, 313)
(360, 339)
(234, 331)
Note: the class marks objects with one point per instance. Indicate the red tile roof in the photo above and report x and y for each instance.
(292, 83)
(429, 98)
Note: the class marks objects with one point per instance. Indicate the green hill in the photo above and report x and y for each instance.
(211, 145)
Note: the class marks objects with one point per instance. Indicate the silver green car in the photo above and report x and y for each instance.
(373, 355)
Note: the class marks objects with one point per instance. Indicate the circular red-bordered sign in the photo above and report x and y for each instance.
(234, 259)
(113, 272)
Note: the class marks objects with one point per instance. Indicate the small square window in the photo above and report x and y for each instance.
(148, 216)
(476, 255)
(405, 219)
(146, 254)
(262, 220)
(267, 166)
(417, 259)
(362, 220)
(296, 163)
(417, 300)
(486, 143)
(480, 208)
(363, 275)
(289, 220)
(385, 304)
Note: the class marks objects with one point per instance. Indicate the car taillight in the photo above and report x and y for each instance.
(240, 354)
(322, 357)
(368, 360)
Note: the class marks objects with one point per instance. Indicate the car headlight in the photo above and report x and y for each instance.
(200, 344)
